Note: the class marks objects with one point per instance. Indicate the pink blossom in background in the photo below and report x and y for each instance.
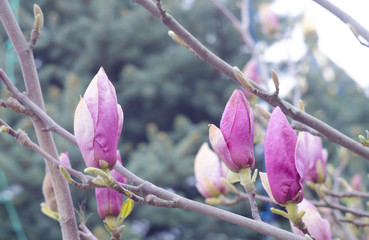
(208, 172)
(317, 226)
(251, 70)
(315, 154)
(268, 19)
(357, 182)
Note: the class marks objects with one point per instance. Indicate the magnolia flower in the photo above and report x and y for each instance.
(316, 158)
(234, 141)
(98, 123)
(317, 226)
(108, 200)
(284, 161)
(64, 159)
(208, 173)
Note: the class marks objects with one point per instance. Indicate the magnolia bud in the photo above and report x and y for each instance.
(234, 141)
(98, 123)
(316, 158)
(64, 159)
(284, 160)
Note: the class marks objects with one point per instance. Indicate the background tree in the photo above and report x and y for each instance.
(168, 98)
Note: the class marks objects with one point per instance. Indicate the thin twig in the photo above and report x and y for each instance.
(46, 119)
(60, 188)
(356, 222)
(347, 194)
(341, 208)
(347, 19)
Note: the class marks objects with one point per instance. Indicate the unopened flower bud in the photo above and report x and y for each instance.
(252, 71)
(316, 158)
(357, 182)
(98, 123)
(234, 141)
(64, 159)
(284, 160)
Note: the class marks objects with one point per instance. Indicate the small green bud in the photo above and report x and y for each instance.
(241, 79)
(3, 129)
(39, 17)
(177, 39)
(275, 79)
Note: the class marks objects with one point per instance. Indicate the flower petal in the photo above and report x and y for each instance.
(220, 147)
(280, 143)
(300, 162)
(208, 172)
(84, 133)
(266, 186)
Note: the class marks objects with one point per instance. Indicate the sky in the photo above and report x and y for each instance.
(335, 38)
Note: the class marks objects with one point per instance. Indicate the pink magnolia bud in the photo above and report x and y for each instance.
(284, 160)
(98, 123)
(108, 200)
(357, 182)
(251, 70)
(317, 226)
(208, 173)
(64, 159)
(234, 141)
(316, 158)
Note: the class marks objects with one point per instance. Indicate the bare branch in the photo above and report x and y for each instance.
(61, 190)
(331, 205)
(359, 30)
(184, 203)
(348, 194)
(46, 119)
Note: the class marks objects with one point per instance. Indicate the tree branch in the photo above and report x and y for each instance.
(46, 119)
(356, 27)
(67, 218)
(184, 203)
(206, 55)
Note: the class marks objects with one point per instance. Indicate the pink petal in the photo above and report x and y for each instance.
(208, 166)
(265, 182)
(317, 226)
(120, 122)
(300, 162)
(64, 159)
(84, 133)
(280, 143)
(220, 147)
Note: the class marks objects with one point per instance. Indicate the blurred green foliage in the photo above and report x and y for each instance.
(168, 98)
